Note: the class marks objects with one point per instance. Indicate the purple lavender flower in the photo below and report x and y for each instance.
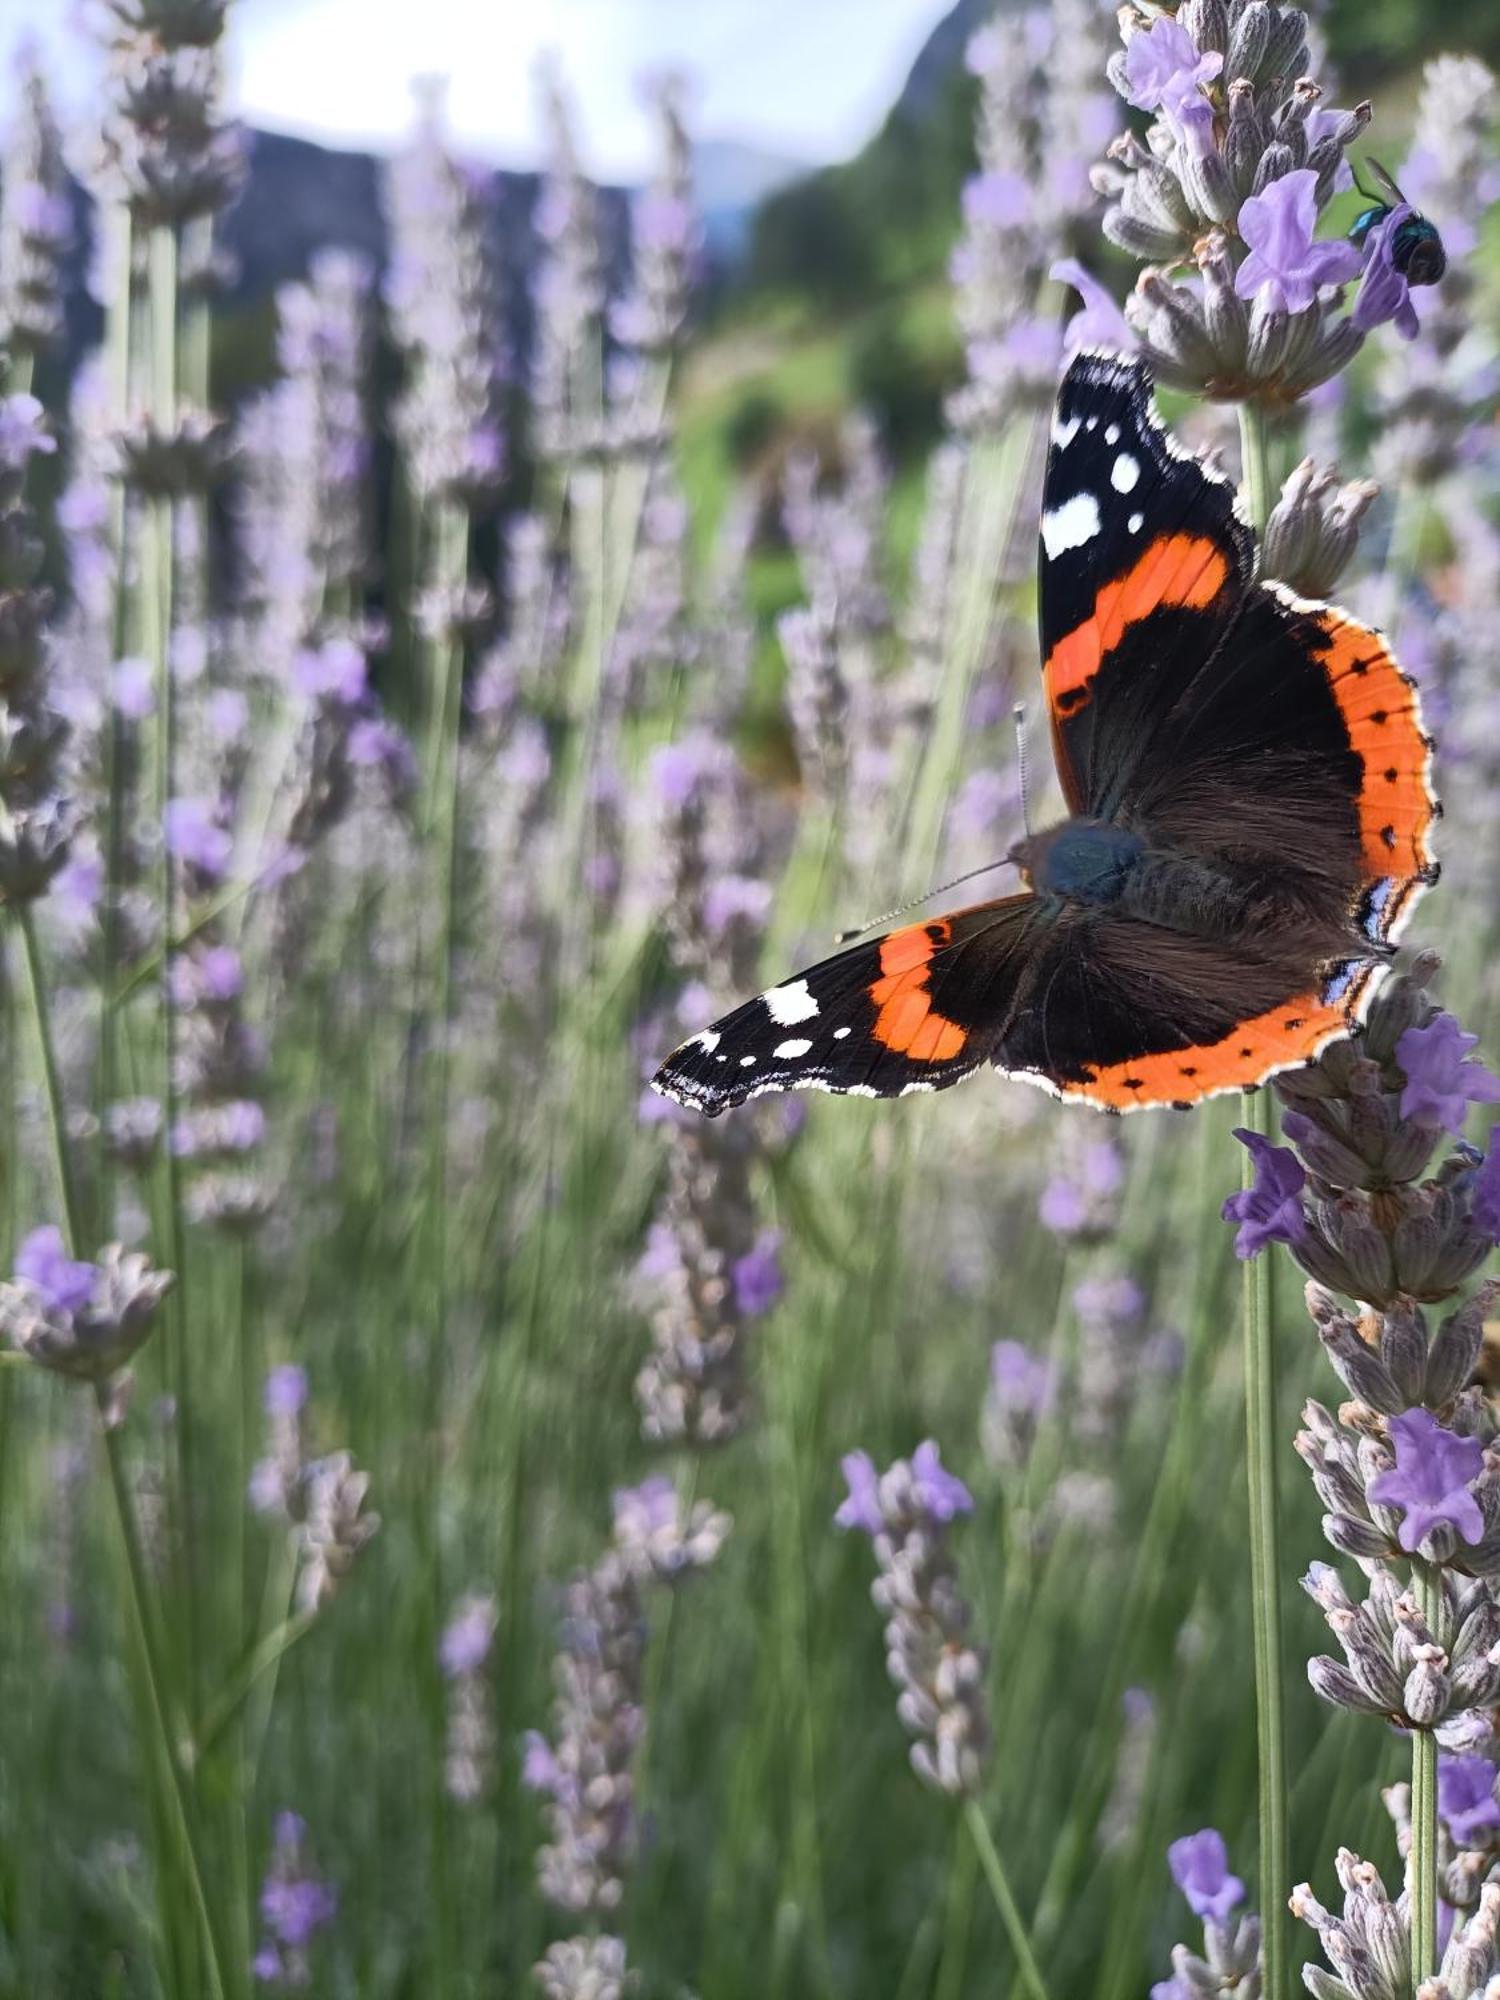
(540, 1770)
(286, 1390)
(66, 1285)
(1165, 71)
(1101, 322)
(937, 1491)
(1020, 1381)
(1286, 265)
(468, 1637)
(333, 672)
(1002, 200)
(1271, 1211)
(1466, 1798)
(23, 432)
(1441, 1081)
(294, 1907)
(1165, 59)
(758, 1280)
(1430, 1483)
(193, 834)
(861, 1509)
(1200, 1868)
(1384, 293)
(1172, 1989)
(644, 1510)
(134, 688)
(1485, 1212)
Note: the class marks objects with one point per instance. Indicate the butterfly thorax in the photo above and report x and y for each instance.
(1099, 864)
(1080, 861)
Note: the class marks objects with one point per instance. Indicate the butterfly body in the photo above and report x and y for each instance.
(1246, 778)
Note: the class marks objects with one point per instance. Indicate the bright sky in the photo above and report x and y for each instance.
(806, 78)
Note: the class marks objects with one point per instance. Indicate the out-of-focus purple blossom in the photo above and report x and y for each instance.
(666, 235)
(861, 1506)
(1270, 1211)
(1430, 1482)
(1285, 263)
(999, 198)
(134, 689)
(195, 836)
(1466, 1798)
(336, 671)
(1200, 1868)
(36, 218)
(227, 713)
(1101, 323)
(442, 294)
(757, 1276)
(939, 1492)
(23, 432)
(286, 1390)
(1022, 1381)
(1441, 1079)
(540, 1770)
(66, 1284)
(295, 1905)
(468, 1636)
(77, 890)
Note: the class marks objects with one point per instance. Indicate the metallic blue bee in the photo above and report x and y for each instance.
(1417, 252)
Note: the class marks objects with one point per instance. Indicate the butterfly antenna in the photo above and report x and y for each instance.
(1023, 765)
(938, 889)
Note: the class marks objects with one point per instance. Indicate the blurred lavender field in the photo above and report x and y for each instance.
(441, 1483)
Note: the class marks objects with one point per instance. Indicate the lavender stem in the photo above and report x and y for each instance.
(1260, 1456)
(1424, 1801)
(1005, 1902)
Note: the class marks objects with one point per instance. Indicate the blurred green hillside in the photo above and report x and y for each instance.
(843, 297)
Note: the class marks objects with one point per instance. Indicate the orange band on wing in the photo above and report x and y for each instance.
(1287, 1035)
(905, 1021)
(1173, 570)
(1381, 713)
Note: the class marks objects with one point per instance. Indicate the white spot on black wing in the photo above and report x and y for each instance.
(789, 1004)
(789, 1051)
(1069, 526)
(1125, 473)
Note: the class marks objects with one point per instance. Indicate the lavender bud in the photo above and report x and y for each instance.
(1455, 1351)
(1314, 528)
(1427, 1687)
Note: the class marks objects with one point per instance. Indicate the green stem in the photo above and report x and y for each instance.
(1424, 1803)
(57, 1117)
(1260, 1461)
(1005, 1902)
(152, 1677)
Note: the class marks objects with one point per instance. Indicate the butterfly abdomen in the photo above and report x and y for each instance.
(1179, 892)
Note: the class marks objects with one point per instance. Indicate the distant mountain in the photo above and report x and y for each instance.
(731, 180)
(938, 60)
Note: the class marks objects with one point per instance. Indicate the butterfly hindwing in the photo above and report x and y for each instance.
(915, 1010)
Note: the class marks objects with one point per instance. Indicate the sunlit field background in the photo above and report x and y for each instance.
(585, 601)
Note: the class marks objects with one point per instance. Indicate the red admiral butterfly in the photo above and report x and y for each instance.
(1248, 778)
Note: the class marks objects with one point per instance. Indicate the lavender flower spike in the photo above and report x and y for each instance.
(906, 1511)
(1433, 1473)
